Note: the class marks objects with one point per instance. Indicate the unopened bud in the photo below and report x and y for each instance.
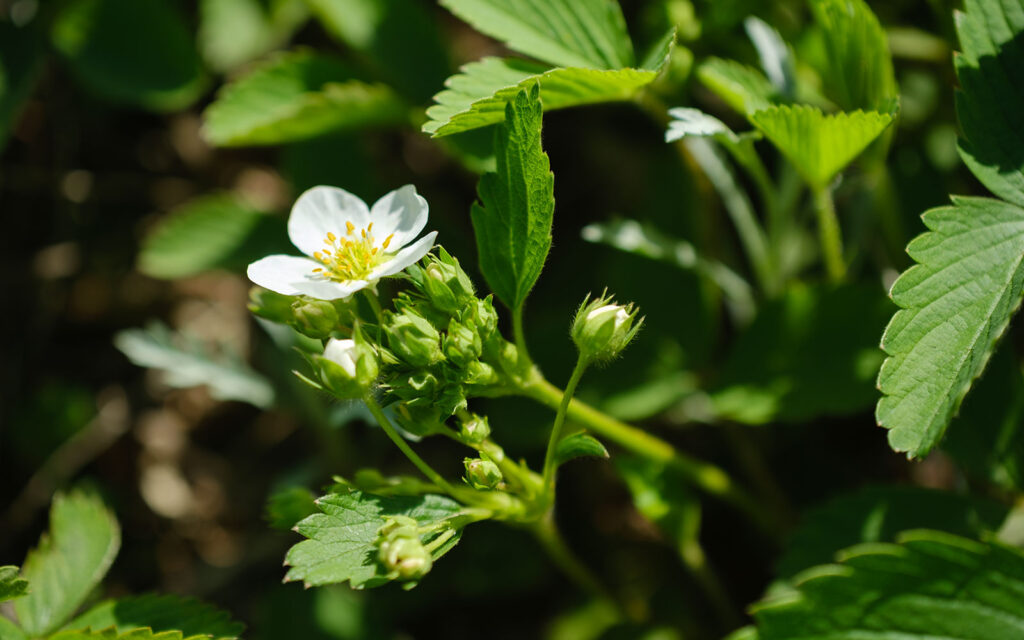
(482, 474)
(445, 284)
(348, 367)
(270, 305)
(405, 558)
(462, 344)
(314, 318)
(602, 328)
(413, 339)
(475, 429)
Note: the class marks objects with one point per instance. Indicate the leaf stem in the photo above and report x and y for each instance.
(557, 429)
(400, 442)
(519, 334)
(829, 234)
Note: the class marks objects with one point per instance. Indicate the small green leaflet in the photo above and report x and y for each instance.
(11, 584)
(341, 538)
(296, 96)
(233, 32)
(579, 445)
(125, 51)
(160, 613)
(285, 508)
(188, 363)
(956, 303)
(819, 145)
(565, 33)
(929, 585)
(513, 216)
(69, 562)
(743, 88)
(476, 97)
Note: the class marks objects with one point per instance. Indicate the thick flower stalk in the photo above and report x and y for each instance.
(348, 246)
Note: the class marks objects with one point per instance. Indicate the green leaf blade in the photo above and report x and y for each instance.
(513, 216)
(157, 613)
(579, 445)
(971, 268)
(11, 584)
(567, 33)
(83, 540)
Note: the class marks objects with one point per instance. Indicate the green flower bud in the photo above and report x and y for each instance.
(270, 305)
(314, 318)
(397, 527)
(412, 338)
(348, 367)
(462, 344)
(401, 551)
(482, 474)
(475, 429)
(445, 284)
(602, 328)
(480, 373)
(481, 316)
(419, 416)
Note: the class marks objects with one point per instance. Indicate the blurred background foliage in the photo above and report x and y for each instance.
(128, 200)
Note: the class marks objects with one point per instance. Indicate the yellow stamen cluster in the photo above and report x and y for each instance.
(351, 257)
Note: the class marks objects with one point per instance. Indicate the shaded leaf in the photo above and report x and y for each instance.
(22, 54)
(775, 55)
(819, 145)
(477, 96)
(579, 445)
(955, 303)
(513, 216)
(341, 545)
(233, 32)
(139, 53)
(566, 33)
(212, 232)
(185, 362)
(743, 88)
(296, 96)
(71, 559)
(285, 508)
(190, 617)
(11, 584)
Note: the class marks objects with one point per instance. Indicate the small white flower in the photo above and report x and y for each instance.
(343, 354)
(350, 247)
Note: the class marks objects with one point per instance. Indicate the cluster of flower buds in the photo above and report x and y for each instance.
(400, 550)
(602, 328)
(311, 317)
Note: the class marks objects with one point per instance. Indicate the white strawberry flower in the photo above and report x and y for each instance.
(349, 246)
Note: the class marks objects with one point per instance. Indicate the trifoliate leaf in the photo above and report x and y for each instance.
(930, 585)
(296, 96)
(566, 33)
(990, 103)
(69, 562)
(579, 445)
(878, 514)
(513, 216)
(126, 51)
(233, 32)
(186, 362)
(819, 145)
(476, 97)
(212, 232)
(858, 72)
(190, 617)
(341, 545)
(743, 88)
(956, 302)
(22, 54)
(285, 508)
(11, 584)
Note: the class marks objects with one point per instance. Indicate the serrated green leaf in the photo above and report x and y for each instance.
(819, 145)
(579, 445)
(743, 88)
(12, 585)
(295, 96)
(858, 72)
(477, 96)
(22, 54)
(878, 514)
(10, 631)
(138, 53)
(111, 634)
(341, 538)
(212, 232)
(69, 562)
(233, 32)
(990, 103)
(285, 508)
(185, 362)
(776, 370)
(157, 613)
(956, 302)
(513, 216)
(398, 38)
(931, 585)
(566, 33)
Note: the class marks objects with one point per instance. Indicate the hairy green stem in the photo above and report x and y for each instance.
(829, 234)
(518, 333)
(557, 428)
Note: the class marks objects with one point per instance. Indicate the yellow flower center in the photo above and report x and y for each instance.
(351, 257)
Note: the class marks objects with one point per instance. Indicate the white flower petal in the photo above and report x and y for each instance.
(293, 276)
(407, 256)
(321, 210)
(403, 212)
